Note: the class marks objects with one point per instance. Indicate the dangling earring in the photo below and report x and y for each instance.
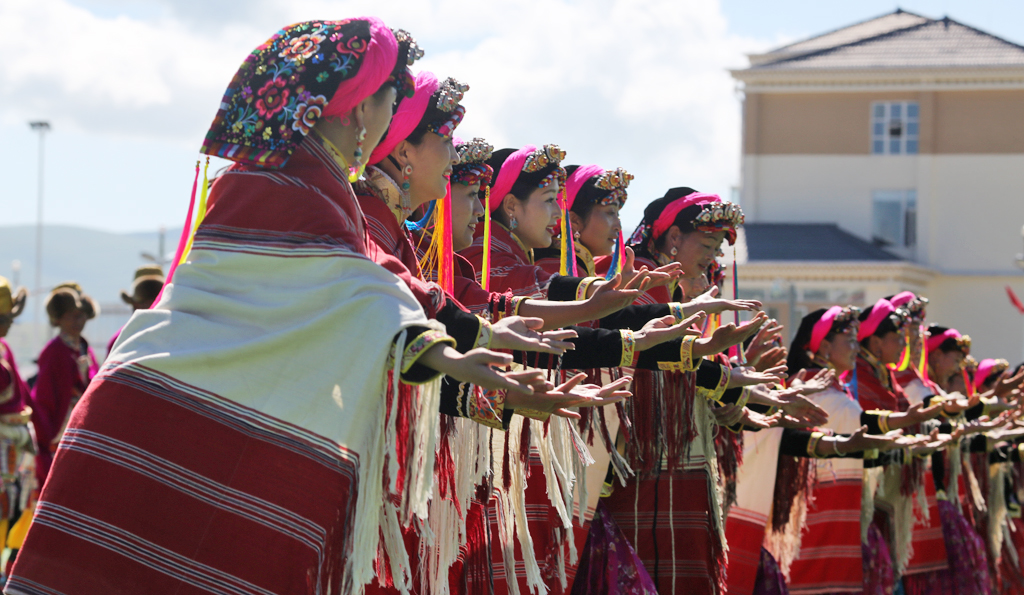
(406, 172)
(673, 251)
(357, 166)
(576, 235)
(513, 223)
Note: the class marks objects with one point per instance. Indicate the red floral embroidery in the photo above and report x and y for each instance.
(353, 45)
(272, 97)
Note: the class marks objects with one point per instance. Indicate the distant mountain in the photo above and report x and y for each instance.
(103, 263)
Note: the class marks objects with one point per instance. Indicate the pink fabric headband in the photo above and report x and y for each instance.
(668, 216)
(378, 64)
(410, 112)
(822, 327)
(577, 180)
(985, 369)
(936, 340)
(510, 170)
(879, 312)
(903, 298)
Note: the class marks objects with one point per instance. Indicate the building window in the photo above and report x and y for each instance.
(895, 218)
(895, 127)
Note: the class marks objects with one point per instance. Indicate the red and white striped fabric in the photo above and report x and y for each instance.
(237, 440)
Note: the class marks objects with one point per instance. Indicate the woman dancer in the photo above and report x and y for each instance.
(302, 373)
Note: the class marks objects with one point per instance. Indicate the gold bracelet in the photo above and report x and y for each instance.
(628, 348)
(812, 444)
(583, 287)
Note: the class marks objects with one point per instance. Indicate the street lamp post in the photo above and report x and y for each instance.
(42, 127)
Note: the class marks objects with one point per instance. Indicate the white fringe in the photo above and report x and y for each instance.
(997, 510)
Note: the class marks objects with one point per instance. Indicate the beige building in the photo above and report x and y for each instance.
(904, 136)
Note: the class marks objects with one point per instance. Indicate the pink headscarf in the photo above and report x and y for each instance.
(934, 341)
(902, 298)
(510, 170)
(822, 327)
(408, 116)
(577, 179)
(668, 216)
(378, 64)
(879, 312)
(985, 369)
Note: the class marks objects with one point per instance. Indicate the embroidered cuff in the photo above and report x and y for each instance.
(629, 352)
(812, 444)
(517, 302)
(744, 397)
(676, 309)
(715, 394)
(487, 408)
(533, 414)
(484, 335)
(583, 287)
(420, 344)
(686, 362)
(987, 404)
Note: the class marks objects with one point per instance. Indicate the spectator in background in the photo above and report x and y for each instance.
(17, 480)
(149, 280)
(66, 365)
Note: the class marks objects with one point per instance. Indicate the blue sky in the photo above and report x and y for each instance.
(130, 86)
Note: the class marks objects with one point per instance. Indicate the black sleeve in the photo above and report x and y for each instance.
(563, 289)
(978, 443)
(709, 374)
(975, 412)
(871, 421)
(669, 351)
(636, 316)
(595, 348)
(460, 325)
(939, 469)
(794, 443)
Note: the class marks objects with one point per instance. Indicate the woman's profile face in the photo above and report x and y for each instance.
(890, 347)
(537, 216)
(842, 349)
(377, 112)
(466, 213)
(600, 229)
(431, 162)
(945, 365)
(695, 251)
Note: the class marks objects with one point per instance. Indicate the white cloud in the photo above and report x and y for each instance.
(634, 83)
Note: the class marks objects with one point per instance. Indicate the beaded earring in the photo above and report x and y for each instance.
(357, 167)
(673, 251)
(513, 223)
(406, 172)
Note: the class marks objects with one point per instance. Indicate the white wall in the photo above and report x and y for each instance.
(970, 207)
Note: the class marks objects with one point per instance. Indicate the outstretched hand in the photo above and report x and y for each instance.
(518, 333)
(557, 399)
(659, 330)
(712, 304)
(747, 376)
(815, 384)
(728, 335)
(764, 345)
(659, 277)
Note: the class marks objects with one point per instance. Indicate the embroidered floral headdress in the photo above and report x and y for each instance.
(304, 72)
